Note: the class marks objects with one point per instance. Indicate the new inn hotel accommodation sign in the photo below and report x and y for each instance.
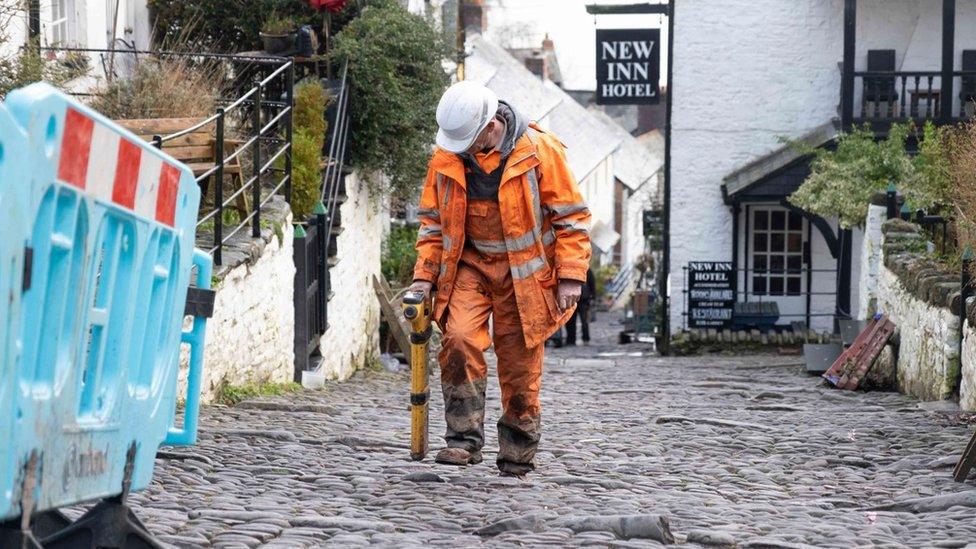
(710, 295)
(628, 66)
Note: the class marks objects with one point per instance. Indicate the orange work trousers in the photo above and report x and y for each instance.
(483, 288)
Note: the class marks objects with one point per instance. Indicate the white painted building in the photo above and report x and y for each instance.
(90, 24)
(748, 74)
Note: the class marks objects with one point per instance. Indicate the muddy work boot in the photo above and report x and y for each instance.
(458, 456)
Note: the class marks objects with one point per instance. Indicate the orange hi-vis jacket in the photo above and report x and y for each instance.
(545, 222)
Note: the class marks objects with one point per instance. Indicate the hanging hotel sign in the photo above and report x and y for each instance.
(710, 295)
(628, 66)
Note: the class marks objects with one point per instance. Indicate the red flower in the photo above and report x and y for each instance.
(333, 6)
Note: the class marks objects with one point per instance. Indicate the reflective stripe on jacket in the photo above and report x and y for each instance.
(546, 225)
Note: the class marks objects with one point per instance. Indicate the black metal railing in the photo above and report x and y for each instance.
(252, 124)
(316, 238)
(901, 96)
(269, 131)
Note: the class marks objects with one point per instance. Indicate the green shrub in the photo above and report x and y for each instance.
(399, 255)
(28, 66)
(223, 25)
(308, 137)
(233, 394)
(394, 61)
(842, 182)
(278, 25)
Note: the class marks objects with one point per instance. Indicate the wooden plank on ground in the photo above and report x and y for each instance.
(391, 312)
(966, 462)
(851, 366)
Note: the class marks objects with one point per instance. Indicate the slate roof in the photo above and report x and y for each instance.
(588, 139)
(634, 162)
(776, 161)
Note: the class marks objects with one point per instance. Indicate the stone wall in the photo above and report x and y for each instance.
(250, 337)
(967, 386)
(920, 298)
(352, 339)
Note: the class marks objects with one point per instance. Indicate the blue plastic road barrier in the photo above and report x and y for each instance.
(110, 224)
(13, 236)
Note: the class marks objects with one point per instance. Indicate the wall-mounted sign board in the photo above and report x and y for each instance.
(628, 66)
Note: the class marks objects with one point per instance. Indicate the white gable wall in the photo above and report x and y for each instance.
(748, 73)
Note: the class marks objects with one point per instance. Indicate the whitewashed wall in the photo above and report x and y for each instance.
(14, 32)
(597, 188)
(354, 313)
(870, 262)
(967, 387)
(250, 338)
(745, 75)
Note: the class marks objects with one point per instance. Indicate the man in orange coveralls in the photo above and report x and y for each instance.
(504, 232)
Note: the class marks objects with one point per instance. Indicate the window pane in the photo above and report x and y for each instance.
(796, 222)
(778, 242)
(793, 285)
(794, 262)
(759, 242)
(794, 243)
(776, 286)
(778, 220)
(776, 263)
(759, 263)
(761, 219)
(759, 285)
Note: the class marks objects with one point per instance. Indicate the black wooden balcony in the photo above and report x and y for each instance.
(882, 98)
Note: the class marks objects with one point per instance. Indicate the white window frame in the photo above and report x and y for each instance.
(62, 25)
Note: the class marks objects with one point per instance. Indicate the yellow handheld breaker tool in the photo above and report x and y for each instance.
(416, 309)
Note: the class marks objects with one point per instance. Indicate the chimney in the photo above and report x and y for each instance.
(547, 44)
(474, 15)
(537, 65)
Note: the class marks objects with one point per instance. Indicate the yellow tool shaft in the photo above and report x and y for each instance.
(416, 308)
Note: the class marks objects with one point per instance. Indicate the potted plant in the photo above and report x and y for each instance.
(278, 34)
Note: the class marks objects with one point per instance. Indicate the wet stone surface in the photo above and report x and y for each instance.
(710, 450)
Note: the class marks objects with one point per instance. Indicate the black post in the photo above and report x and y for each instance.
(847, 77)
(256, 184)
(665, 348)
(948, 56)
(906, 212)
(322, 263)
(289, 125)
(892, 201)
(300, 299)
(218, 236)
(736, 211)
(34, 20)
(843, 305)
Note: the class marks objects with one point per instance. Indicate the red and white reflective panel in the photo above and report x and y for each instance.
(105, 165)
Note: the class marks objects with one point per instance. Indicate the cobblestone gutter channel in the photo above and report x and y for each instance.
(743, 449)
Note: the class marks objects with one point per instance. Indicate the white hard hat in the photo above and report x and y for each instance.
(464, 110)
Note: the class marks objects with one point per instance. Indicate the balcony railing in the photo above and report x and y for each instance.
(883, 97)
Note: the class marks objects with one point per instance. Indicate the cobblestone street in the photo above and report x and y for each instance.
(743, 449)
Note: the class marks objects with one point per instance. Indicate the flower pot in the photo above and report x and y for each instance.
(278, 43)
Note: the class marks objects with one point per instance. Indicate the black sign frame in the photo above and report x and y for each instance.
(628, 70)
(711, 294)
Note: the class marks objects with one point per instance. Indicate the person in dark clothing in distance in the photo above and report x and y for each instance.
(587, 297)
